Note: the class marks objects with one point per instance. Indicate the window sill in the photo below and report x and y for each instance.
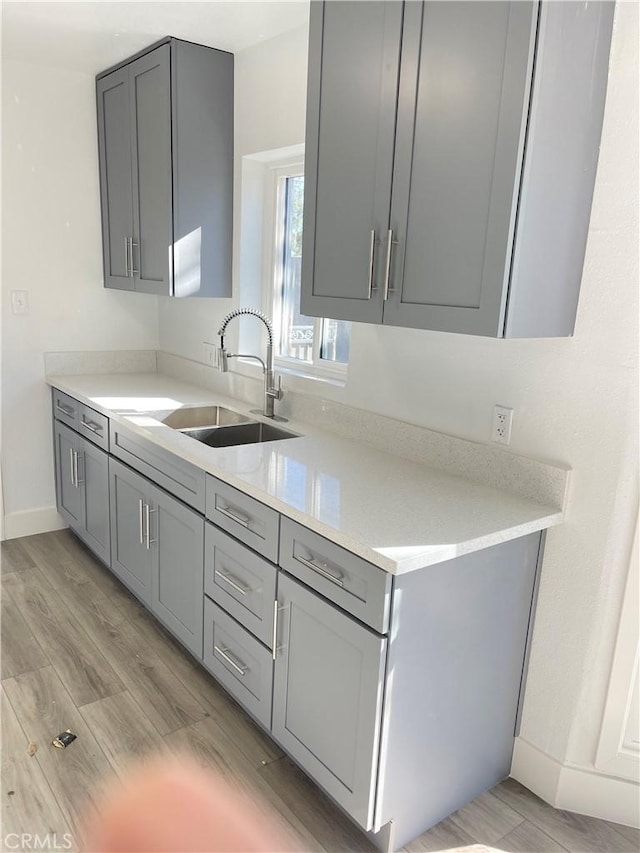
(248, 368)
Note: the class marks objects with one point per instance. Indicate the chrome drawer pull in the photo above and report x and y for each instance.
(243, 520)
(66, 410)
(241, 670)
(310, 564)
(90, 425)
(72, 466)
(243, 590)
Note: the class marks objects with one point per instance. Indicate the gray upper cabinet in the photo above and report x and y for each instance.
(165, 143)
(440, 137)
(354, 50)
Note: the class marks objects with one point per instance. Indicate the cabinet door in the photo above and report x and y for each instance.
(327, 702)
(354, 50)
(69, 492)
(114, 149)
(94, 471)
(177, 537)
(150, 100)
(463, 104)
(130, 556)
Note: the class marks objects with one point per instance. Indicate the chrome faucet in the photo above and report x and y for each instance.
(272, 391)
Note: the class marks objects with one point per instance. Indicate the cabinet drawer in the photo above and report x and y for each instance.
(241, 582)
(178, 477)
(249, 520)
(355, 585)
(239, 662)
(66, 409)
(94, 426)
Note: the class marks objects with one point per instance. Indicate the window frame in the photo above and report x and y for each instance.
(275, 199)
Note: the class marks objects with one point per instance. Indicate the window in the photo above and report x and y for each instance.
(310, 345)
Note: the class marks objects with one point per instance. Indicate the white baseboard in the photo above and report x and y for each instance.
(576, 789)
(31, 521)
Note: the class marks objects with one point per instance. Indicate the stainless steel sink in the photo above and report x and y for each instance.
(192, 417)
(253, 432)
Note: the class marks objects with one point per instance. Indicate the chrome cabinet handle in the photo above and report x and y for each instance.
(140, 519)
(126, 257)
(320, 570)
(387, 269)
(243, 520)
(372, 249)
(72, 466)
(240, 669)
(147, 517)
(134, 272)
(274, 639)
(66, 410)
(78, 481)
(243, 590)
(92, 427)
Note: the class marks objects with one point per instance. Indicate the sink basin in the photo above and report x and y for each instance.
(192, 417)
(253, 432)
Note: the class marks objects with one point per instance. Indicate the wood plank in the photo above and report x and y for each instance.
(630, 833)
(162, 696)
(527, 838)
(75, 774)
(80, 664)
(28, 803)
(444, 836)
(209, 746)
(486, 819)
(577, 833)
(14, 557)
(66, 562)
(21, 652)
(123, 731)
(287, 784)
(55, 563)
(240, 729)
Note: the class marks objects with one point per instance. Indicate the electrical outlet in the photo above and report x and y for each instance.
(501, 427)
(210, 354)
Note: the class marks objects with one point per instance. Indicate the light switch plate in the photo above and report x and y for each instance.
(19, 301)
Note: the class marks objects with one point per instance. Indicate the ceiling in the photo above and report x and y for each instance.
(91, 36)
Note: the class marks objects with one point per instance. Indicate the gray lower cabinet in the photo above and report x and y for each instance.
(239, 662)
(158, 552)
(398, 695)
(131, 557)
(327, 697)
(165, 145)
(177, 579)
(82, 488)
(446, 142)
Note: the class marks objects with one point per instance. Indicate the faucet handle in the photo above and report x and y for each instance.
(276, 390)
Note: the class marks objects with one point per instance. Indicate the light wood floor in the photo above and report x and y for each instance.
(79, 653)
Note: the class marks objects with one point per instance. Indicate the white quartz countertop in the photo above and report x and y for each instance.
(396, 513)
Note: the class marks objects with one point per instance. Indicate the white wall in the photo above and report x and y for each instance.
(575, 400)
(51, 247)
